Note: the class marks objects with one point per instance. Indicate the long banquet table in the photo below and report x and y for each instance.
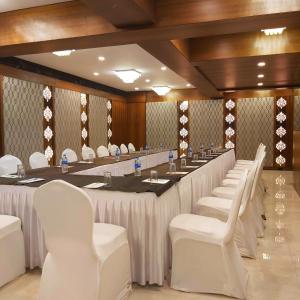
(146, 213)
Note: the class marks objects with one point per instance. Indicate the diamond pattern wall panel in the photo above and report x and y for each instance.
(98, 121)
(67, 121)
(161, 124)
(23, 118)
(206, 123)
(255, 124)
(297, 113)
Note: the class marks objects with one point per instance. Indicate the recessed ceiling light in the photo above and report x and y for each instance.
(96, 74)
(261, 64)
(101, 58)
(128, 76)
(260, 76)
(136, 88)
(188, 84)
(63, 52)
(273, 31)
(147, 80)
(260, 84)
(163, 68)
(161, 90)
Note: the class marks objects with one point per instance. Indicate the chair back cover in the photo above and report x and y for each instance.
(259, 169)
(71, 155)
(123, 149)
(230, 224)
(8, 164)
(88, 152)
(131, 148)
(102, 151)
(38, 160)
(113, 149)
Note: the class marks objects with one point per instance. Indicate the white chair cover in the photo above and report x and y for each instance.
(102, 151)
(12, 252)
(205, 256)
(131, 148)
(113, 149)
(71, 155)
(38, 160)
(85, 260)
(87, 153)
(8, 164)
(123, 149)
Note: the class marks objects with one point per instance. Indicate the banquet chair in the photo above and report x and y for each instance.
(71, 155)
(131, 148)
(38, 160)
(123, 149)
(12, 253)
(85, 260)
(102, 151)
(113, 149)
(260, 149)
(87, 153)
(205, 256)
(9, 164)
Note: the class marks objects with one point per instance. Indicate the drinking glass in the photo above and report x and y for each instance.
(91, 157)
(141, 149)
(183, 163)
(203, 154)
(195, 157)
(208, 152)
(172, 167)
(107, 178)
(20, 171)
(153, 176)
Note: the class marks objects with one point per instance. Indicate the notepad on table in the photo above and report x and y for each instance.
(158, 181)
(31, 180)
(190, 167)
(95, 185)
(9, 176)
(177, 173)
(200, 161)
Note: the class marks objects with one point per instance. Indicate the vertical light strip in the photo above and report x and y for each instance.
(109, 122)
(183, 127)
(229, 123)
(84, 112)
(48, 124)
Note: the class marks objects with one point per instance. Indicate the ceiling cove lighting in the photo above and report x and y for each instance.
(96, 74)
(128, 76)
(260, 84)
(273, 31)
(188, 84)
(63, 52)
(261, 64)
(101, 58)
(260, 76)
(163, 68)
(161, 90)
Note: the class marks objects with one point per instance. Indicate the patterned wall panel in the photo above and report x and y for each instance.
(98, 121)
(255, 124)
(161, 124)
(67, 121)
(297, 113)
(206, 123)
(23, 118)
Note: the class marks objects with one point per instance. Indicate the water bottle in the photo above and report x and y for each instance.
(190, 152)
(161, 147)
(137, 167)
(118, 153)
(171, 157)
(64, 164)
(147, 149)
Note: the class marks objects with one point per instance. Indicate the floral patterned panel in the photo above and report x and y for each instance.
(23, 118)
(297, 113)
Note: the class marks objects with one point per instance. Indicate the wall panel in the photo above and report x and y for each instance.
(119, 123)
(22, 118)
(255, 124)
(161, 124)
(206, 123)
(67, 122)
(98, 121)
(297, 113)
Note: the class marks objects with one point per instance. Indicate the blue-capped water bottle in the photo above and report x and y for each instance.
(190, 152)
(118, 153)
(137, 167)
(64, 164)
(171, 156)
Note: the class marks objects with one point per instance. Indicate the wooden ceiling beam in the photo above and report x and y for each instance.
(124, 13)
(244, 45)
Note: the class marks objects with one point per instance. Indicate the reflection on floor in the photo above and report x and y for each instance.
(274, 275)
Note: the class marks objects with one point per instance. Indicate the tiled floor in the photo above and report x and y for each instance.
(274, 275)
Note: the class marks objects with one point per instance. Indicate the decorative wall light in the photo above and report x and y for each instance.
(280, 132)
(229, 125)
(161, 90)
(183, 130)
(128, 76)
(230, 104)
(109, 122)
(84, 109)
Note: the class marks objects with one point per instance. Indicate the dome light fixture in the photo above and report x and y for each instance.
(273, 31)
(161, 90)
(128, 76)
(63, 52)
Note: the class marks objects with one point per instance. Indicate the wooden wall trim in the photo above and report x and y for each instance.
(261, 93)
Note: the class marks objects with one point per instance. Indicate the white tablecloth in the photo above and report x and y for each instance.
(145, 216)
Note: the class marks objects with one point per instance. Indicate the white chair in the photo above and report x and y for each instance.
(86, 260)
(123, 149)
(113, 149)
(9, 164)
(87, 153)
(131, 148)
(205, 256)
(38, 160)
(71, 155)
(12, 253)
(102, 151)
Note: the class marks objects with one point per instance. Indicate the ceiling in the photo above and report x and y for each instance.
(9, 5)
(84, 63)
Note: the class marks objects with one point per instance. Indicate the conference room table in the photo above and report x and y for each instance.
(144, 209)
